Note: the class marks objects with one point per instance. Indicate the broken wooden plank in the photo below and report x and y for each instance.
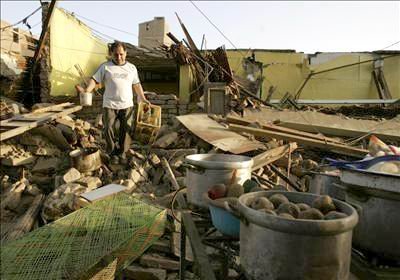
(331, 147)
(40, 119)
(55, 107)
(198, 249)
(17, 160)
(329, 125)
(217, 135)
(286, 178)
(25, 223)
(272, 127)
(272, 155)
(341, 131)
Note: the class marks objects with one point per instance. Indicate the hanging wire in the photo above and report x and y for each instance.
(24, 20)
(216, 27)
(395, 43)
(104, 25)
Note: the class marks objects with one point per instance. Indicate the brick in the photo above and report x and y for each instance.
(174, 102)
(168, 106)
(167, 97)
(158, 102)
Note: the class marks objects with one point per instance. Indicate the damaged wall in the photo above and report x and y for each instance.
(287, 69)
(72, 42)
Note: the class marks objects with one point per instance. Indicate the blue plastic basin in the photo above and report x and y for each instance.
(224, 221)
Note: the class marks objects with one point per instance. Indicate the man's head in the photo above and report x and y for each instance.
(118, 52)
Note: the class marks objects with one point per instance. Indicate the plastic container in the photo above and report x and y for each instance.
(148, 122)
(223, 219)
(86, 98)
(205, 170)
(273, 247)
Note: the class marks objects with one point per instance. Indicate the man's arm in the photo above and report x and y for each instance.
(92, 84)
(89, 88)
(137, 88)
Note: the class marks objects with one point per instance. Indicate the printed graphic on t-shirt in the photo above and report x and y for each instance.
(120, 76)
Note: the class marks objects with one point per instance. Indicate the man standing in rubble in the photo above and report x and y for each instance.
(120, 78)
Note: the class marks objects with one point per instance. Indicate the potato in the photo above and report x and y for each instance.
(278, 199)
(286, 216)
(268, 211)
(289, 208)
(333, 215)
(261, 203)
(235, 190)
(311, 214)
(303, 206)
(324, 204)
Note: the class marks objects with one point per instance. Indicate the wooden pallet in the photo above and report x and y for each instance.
(21, 123)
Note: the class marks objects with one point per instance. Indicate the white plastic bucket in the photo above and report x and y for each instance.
(86, 98)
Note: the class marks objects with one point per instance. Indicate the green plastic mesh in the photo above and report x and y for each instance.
(85, 243)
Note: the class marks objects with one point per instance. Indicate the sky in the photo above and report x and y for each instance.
(304, 26)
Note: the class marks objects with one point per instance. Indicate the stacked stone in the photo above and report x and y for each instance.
(170, 106)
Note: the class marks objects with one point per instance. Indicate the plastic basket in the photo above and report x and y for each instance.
(148, 122)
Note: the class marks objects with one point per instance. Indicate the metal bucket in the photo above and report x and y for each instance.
(379, 217)
(85, 160)
(205, 170)
(273, 247)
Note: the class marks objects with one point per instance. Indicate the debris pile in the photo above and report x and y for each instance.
(47, 170)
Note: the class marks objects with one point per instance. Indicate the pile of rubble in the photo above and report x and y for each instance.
(41, 183)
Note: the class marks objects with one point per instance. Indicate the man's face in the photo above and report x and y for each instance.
(119, 55)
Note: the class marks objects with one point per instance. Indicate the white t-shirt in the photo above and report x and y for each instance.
(118, 81)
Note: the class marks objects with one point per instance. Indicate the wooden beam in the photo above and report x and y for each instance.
(192, 45)
(341, 131)
(286, 178)
(331, 147)
(25, 223)
(272, 155)
(30, 123)
(45, 31)
(200, 255)
(272, 127)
